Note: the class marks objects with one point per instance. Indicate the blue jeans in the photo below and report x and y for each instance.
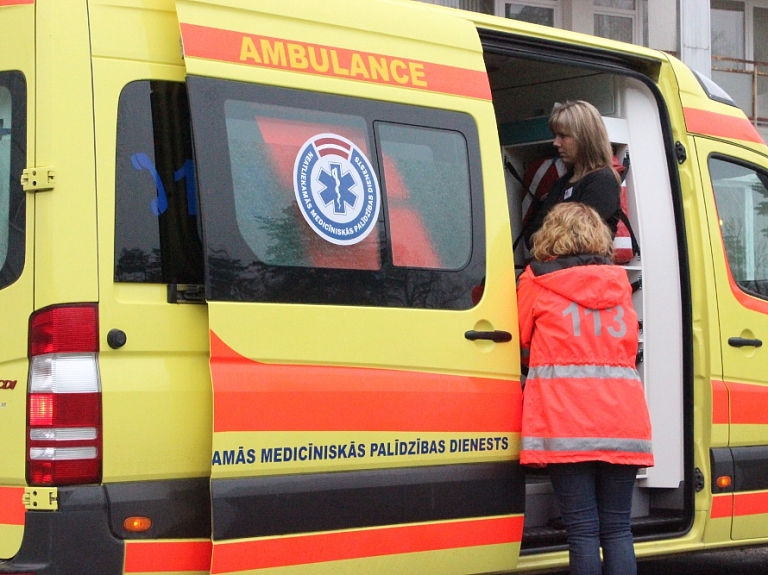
(595, 500)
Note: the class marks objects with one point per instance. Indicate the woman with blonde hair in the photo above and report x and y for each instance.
(584, 412)
(582, 143)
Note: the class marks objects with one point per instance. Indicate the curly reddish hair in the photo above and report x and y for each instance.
(571, 228)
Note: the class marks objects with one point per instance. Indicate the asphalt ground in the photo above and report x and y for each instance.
(748, 561)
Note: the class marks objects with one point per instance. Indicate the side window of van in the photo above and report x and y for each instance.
(156, 226)
(426, 178)
(13, 151)
(314, 198)
(741, 195)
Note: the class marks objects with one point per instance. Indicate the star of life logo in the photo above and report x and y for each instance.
(337, 189)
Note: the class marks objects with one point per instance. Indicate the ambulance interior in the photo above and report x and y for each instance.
(524, 92)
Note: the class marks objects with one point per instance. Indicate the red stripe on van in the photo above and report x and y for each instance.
(308, 549)
(750, 503)
(167, 556)
(748, 403)
(12, 505)
(15, 2)
(722, 506)
(720, 125)
(306, 58)
(253, 396)
(719, 402)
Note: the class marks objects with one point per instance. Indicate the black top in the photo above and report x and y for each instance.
(599, 190)
(564, 262)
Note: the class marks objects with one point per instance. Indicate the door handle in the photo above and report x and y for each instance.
(497, 335)
(744, 342)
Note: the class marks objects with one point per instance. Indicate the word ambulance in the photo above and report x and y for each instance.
(258, 294)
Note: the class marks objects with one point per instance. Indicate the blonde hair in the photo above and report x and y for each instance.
(582, 120)
(571, 228)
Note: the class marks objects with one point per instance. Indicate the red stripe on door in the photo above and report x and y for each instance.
(748, 301)
(719, 402)
(722, 506)
(302, 57)
(720, 125)
(167, 556)
(748, 403)
(252, 396)
(15, 2)
(307, 549)
(12, 505)
(750, 503)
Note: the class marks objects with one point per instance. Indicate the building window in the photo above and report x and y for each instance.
(617, 19)
(544, 12)
(482, 6)
(740, 54)
(728, 27)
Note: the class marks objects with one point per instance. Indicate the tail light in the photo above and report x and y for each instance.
(64, 397)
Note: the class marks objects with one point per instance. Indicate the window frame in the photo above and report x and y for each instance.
(13, 266)
(390, 286)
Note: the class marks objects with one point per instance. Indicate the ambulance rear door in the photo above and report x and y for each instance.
(360, 289)
(17, 82)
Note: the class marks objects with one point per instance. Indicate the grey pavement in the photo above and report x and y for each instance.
(747, 561)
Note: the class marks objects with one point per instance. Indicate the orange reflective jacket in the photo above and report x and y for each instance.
(583, 398)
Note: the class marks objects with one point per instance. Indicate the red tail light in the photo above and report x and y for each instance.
(64, 444)
(62, 329)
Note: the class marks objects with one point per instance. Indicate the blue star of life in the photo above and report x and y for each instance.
(336, 189)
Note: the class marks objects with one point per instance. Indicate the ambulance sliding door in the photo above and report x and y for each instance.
(17, 77)
(737, 212)
(366, 398)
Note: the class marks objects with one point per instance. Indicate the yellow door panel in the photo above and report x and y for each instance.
(359, 283)
(736, 193)
(156, 387)
(17, 209)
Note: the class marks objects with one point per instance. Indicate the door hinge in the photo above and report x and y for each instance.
(38, 179)
(698, 480)
(41, 498)
(680, 152)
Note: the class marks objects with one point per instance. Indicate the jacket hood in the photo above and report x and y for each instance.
(591, 281)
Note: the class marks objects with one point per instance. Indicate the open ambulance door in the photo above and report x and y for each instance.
(366, 391)
(17, 81)
(737, 212)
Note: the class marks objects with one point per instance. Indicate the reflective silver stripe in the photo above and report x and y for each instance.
(586, 444)
(582, 371)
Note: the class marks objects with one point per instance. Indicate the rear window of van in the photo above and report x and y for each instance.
(13, 147)
(156, 227)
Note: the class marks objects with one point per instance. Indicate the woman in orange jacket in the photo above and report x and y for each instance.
(584, 410)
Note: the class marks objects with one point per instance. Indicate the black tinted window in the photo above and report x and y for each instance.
(313, 198)
(13, 159)
(156, 236)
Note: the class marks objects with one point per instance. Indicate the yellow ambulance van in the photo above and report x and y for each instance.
(257, 288)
